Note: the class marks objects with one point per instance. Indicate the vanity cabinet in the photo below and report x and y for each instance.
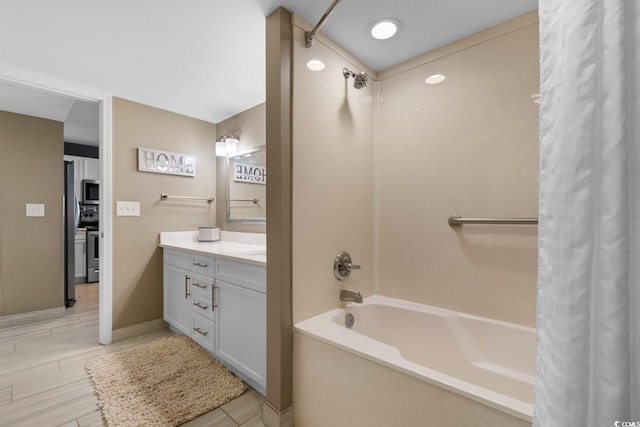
(188, 289)
(221, 305)
(241, 338)
(177, 298)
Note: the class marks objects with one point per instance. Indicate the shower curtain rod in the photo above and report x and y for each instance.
(455, 220)
(309, 35)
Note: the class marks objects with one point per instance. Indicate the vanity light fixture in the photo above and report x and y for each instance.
(385, 28)
(231, 144)
(434, 79)
(227, 145)
(221, 150)
(315, 65)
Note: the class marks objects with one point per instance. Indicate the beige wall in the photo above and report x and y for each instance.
(467, 146)
(332, 177)
(32, 248)
(137, 260)
(251, 127)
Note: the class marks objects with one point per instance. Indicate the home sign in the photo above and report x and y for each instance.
(250, 173)
(157, 161)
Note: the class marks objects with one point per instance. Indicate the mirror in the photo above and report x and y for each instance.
(247, 186)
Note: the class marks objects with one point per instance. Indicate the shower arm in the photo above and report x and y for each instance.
(309, 35)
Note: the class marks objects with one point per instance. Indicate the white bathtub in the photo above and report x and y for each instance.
(488, 361)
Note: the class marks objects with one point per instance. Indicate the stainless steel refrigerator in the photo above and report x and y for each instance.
(71, 218)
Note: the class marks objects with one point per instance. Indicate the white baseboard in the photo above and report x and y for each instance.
(31, 316)
(272, 418)
(139, 329)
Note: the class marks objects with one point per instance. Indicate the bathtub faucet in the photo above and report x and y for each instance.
(350, 296)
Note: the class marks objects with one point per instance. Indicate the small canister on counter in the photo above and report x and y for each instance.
(208, 234)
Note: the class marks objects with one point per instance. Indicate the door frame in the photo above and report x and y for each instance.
(77, 91)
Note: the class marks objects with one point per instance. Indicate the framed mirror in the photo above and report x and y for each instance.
(247, 186)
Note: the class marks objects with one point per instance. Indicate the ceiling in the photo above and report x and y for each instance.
(201, 58)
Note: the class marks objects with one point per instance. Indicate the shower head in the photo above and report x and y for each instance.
(359, 80)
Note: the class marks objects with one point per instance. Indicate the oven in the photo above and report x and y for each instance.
(90, 191)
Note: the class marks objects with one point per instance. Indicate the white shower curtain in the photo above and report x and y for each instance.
(588, 361)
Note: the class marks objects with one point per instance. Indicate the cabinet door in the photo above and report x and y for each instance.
(241, 336)
(177, 298)
(80, 257)
(91, 168)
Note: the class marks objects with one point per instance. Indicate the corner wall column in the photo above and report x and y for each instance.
(279, 36)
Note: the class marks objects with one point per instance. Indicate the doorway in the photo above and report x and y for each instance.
(24, 98)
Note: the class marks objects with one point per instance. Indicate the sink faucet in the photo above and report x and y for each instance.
(350, 296)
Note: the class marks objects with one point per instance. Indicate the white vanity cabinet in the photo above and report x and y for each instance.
(188, 288)
(177, 298)
(241, 337)
(221, 305)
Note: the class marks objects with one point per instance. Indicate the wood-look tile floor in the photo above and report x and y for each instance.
(43, 381)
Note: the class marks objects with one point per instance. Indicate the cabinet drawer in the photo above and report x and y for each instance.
(200, 264)
(203, 331)
(202, 304)
(202, 285)
(246, 275)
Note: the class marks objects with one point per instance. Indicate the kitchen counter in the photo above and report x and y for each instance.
(250, 248)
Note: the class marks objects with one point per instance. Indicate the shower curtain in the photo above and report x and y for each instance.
(588, 357)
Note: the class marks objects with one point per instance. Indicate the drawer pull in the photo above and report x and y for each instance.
(213, 298)
(197, 304)
(201, 332)
(186, 286)
(198, 264)
(198, 285)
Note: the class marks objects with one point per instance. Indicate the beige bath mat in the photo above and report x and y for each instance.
(163, 383)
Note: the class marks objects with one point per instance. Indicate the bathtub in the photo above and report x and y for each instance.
(487, 361)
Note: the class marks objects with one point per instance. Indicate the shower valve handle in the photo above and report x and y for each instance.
(350, 267)
(342, 266)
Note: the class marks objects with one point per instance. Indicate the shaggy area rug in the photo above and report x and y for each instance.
(163, 383)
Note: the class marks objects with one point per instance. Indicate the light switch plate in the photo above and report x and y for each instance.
(127, 208)
(35, 209)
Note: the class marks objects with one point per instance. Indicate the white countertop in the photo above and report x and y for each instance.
(244, 247)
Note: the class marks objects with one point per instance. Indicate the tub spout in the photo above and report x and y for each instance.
(350, 296)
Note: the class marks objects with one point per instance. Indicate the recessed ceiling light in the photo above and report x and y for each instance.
(385, 28)
(434, 79)
(315, 65)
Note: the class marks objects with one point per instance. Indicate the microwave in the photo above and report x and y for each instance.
(90, 192)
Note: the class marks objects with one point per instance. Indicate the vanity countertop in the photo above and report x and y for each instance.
(250, 248)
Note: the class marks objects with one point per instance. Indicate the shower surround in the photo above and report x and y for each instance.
(377, 171)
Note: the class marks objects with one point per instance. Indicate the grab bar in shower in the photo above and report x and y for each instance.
(455, 220)
(164, 196)
(254, 201)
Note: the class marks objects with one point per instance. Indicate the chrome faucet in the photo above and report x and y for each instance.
(350, 296)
